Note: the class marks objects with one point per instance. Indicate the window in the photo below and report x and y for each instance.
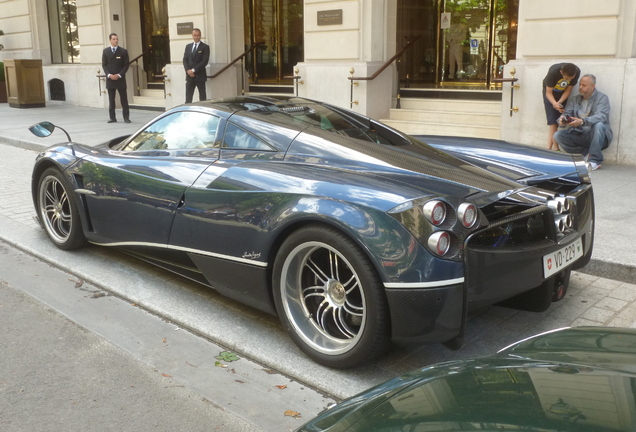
(65, 46)
(181, 130)
(237, 138)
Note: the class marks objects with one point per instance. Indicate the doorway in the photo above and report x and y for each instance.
(456, 43)
(155, 39)
(277, 25)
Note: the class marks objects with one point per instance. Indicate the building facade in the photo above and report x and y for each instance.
(456, 48)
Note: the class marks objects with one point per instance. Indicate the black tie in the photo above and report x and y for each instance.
(194, 47)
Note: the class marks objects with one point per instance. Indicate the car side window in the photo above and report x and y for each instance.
(237, 138)
(180, 130)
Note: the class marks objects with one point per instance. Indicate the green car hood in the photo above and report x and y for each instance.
(579, 379)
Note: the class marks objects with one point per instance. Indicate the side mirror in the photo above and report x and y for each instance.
(45, 129)
(42, 129)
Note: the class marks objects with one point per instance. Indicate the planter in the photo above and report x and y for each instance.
(25, 83)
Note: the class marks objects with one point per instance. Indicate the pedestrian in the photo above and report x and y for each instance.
(195, 59)
(557, 86)
(586, 118)
(115, 64)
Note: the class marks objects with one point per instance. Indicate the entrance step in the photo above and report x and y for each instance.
(471, 118)
(150, 99)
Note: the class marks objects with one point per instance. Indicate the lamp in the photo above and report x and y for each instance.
(502, 35)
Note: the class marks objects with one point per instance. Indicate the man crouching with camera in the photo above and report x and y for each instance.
(586, 117)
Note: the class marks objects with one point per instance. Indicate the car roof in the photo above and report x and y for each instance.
(254, 103)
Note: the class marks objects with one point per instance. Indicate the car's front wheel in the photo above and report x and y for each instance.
(58, 212)
(329, 297)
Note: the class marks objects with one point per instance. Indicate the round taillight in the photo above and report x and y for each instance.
(439, 242)
(435, 212)
(467, 214)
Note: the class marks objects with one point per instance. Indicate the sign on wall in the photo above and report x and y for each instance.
(185, 28)
(330, 17)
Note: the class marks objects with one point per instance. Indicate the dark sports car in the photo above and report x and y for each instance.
(353, 233)
(579, 379)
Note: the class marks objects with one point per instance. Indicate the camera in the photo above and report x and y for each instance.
(567, 119)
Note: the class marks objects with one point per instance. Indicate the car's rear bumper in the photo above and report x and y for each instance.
(492, 274)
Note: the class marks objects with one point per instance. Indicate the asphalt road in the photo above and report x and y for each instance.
(75, 357)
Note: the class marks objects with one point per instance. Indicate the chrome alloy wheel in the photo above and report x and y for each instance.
(55, 209)
(323, 298)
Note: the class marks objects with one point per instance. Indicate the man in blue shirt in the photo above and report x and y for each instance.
(586, 118)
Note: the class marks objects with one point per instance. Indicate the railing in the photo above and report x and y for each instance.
(164, 79)
(240, 57)
(296, 79)
(513, 87)
(136, 60)
(378, 72)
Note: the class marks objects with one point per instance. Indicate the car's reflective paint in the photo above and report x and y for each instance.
(217, 208)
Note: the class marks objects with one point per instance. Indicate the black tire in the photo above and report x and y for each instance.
(330, 298)
(57, 210)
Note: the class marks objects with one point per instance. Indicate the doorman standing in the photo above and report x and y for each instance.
(115, 64)
(195, 59)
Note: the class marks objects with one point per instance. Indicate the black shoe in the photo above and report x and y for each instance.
(112, 121)
(127, 121)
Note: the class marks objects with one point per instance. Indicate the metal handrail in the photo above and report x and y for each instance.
(164, 79)
(296, 79)
(240, 57)
(513, 86)
(249, 50)
(379, 71)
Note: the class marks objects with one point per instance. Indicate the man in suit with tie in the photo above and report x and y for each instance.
(115, 65)
(195, 59)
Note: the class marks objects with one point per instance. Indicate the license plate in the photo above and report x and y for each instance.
(556, 261)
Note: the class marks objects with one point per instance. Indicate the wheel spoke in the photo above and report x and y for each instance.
(51, 195)
(49, 209)
(333, 265)
(61, 227)
(321, 314)
(314, 291)
(65, 217)
(354, 284)
(353, 309)
(320, 275)
(339, 319)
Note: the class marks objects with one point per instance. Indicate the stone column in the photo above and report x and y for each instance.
(340, 35)
(221, 24)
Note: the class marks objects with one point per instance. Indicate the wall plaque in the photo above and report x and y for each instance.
(330, 17)
(185, 28)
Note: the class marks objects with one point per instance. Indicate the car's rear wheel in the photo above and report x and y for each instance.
(58, 212)
(330, 298)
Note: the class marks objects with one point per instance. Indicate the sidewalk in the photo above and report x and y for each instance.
(608, 300)
(614, 255)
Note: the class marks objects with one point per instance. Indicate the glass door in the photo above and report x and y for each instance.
(466, 42)
(278, 26)
(455, 43)
(155, 37)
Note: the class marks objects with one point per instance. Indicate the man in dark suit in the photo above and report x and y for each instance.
(195, 59)
(115, 65)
